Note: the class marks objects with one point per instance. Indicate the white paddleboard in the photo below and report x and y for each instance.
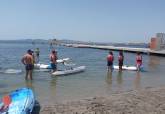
(48, 66)
(11, 71)
(125, 67)
(69, 71)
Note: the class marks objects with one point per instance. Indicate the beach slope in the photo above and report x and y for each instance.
(146, 101)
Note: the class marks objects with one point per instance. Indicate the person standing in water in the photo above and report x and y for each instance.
(110, 59)
(53, 60)
(120, 60)
(37, 54)
(138, 61)
(27, 60)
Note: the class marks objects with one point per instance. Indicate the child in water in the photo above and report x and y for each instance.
(120, 60)
(138, 61)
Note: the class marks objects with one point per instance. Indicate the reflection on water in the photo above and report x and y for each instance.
(53, 81)
(109, 78)
(53, 84)
(119, 78)
(137, 80)
(29, 84)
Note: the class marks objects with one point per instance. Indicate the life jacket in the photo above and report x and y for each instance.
(139, 59)
(120, 58)
(110, 58)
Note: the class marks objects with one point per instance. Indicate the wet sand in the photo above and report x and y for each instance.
(146, 101)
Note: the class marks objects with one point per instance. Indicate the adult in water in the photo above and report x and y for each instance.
(53, 60)
(138, 61)
(110, 59)
(37, 55)
(120, 60)
(27, 60)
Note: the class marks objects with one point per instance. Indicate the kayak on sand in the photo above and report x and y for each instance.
(20, 101)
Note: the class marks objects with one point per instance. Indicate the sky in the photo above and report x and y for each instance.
(83, 20)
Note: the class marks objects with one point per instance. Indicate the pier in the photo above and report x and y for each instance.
(126, 49)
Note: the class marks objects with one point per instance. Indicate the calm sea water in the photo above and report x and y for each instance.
(95, 81)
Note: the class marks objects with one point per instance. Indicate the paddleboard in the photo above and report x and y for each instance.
(69, 71)
(22, 102)
(126, 67)
(48, 66)
(11, 71)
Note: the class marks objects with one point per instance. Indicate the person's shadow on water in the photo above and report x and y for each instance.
(119, 78)
(137, 81)
(109, 78)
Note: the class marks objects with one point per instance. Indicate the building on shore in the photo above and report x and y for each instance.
(158, 42)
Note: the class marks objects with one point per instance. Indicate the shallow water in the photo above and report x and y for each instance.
(95, 81)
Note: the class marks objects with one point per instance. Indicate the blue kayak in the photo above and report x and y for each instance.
(22, 102)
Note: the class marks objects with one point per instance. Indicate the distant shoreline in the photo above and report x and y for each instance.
(68, 42)
(127, 47)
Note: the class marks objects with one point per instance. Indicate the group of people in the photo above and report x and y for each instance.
(110, 60)
(30, 58)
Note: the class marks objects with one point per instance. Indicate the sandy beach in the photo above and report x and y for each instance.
(146, 101)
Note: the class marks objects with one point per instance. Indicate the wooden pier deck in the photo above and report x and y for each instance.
(114, 48)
